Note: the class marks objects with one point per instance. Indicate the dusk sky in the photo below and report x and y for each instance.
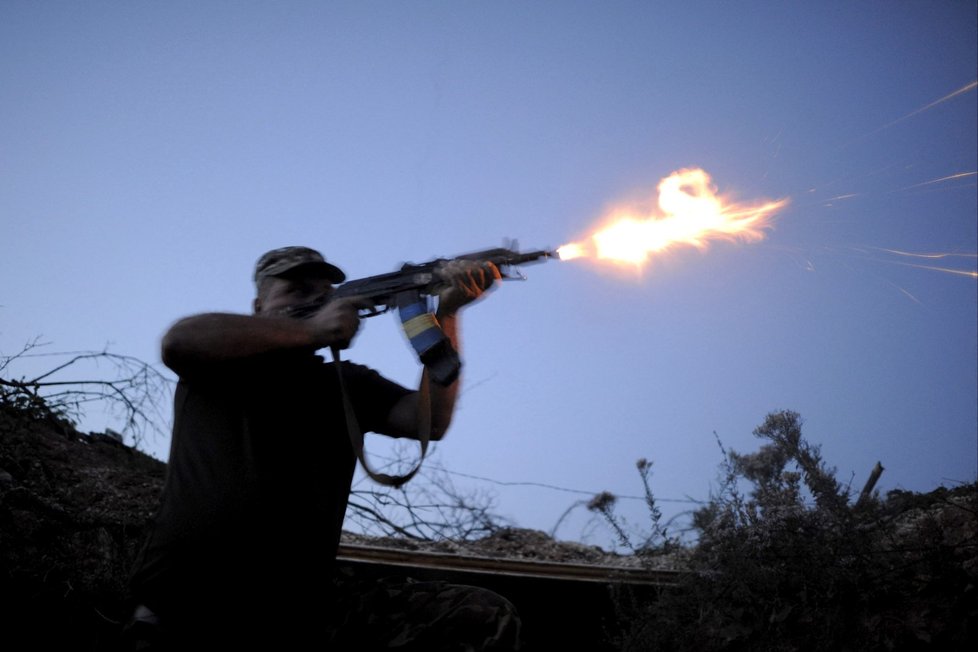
(150, 152)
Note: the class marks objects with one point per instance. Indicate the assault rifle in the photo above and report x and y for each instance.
(408, 291)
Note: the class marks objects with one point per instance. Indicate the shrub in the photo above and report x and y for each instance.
(790, 564)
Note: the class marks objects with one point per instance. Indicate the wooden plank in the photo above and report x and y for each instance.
(516, 567)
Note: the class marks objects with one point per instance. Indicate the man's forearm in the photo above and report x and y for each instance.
(404, 418)
(221, 337)
(443, 398)
(467, 281)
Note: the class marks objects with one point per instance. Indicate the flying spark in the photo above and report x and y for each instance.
(929, 256)
(951, 177)
(912, 254)
(949, 96)
(963, 89)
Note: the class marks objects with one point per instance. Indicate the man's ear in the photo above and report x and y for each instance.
(256, 305)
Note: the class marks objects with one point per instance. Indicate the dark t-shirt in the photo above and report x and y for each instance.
(257, 485)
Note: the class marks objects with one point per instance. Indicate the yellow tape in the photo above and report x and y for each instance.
(417, 325)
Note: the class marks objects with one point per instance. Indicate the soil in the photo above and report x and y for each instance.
(74, 510)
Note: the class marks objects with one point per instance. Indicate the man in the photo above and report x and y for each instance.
(260, 468)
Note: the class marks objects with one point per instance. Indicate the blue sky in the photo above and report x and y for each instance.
(150, 152)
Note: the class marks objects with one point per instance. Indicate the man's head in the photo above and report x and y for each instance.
(290, 276)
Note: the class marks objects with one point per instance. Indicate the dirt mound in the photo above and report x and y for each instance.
(74, 510)
(508, 543)
(73, 514)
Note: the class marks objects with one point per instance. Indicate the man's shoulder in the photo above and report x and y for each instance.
(354, 371)
(359, 378)
(261, 368)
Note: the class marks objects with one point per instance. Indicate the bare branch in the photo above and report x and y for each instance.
(133, 390)
(429, 508)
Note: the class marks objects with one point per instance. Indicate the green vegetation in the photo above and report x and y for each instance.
(785, 561)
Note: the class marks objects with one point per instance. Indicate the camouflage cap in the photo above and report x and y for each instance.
(279, 262)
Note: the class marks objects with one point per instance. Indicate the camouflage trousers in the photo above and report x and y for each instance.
(360, 615)
(414, 616)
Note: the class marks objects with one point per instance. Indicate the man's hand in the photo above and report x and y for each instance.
(337, 322)
(466, 281)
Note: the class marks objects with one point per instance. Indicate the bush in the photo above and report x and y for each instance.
(791, 564)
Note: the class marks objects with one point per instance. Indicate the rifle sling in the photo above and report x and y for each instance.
(356, 435)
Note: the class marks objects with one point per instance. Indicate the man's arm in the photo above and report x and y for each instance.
(467, 282)
(195, 342)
